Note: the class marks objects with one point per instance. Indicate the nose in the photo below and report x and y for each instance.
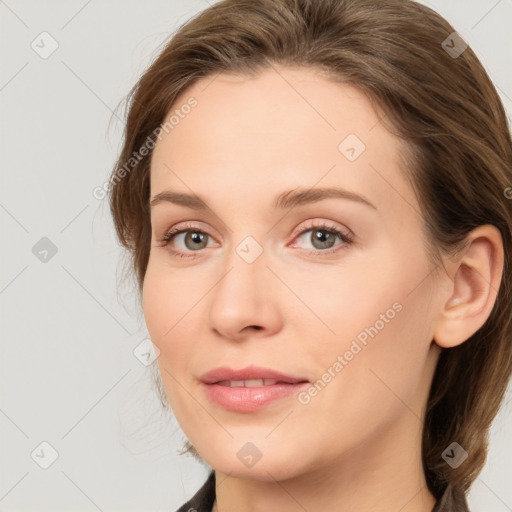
(245, 300)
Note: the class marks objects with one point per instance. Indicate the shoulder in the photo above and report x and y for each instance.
(203, 499)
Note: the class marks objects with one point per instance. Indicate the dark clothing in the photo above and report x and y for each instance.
(203, 500)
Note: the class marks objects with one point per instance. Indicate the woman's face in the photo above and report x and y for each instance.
(261, 278)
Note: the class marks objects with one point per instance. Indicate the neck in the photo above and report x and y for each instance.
(385, 475)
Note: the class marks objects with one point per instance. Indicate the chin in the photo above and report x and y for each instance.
(256, 460)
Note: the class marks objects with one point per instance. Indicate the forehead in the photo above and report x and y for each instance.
(284, 128)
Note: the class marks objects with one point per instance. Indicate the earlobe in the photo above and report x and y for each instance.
(473, 287)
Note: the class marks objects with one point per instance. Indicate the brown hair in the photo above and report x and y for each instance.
(459, 159)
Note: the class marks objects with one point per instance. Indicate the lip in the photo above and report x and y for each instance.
(249, 399)
(247, 373)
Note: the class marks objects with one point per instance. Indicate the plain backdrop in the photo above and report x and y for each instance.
(81, 428)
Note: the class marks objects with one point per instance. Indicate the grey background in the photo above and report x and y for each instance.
(69, 376)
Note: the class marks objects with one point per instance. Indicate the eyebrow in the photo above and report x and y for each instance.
(288, 199)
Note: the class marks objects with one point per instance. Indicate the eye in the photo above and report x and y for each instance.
(323, 238)
(193, 239)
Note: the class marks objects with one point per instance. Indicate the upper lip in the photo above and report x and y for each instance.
(225, 373)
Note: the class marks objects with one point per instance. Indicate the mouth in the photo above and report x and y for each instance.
(252, 383)
(249, 389)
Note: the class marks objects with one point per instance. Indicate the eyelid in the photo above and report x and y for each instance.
(186, 226)
(321, 224)
(312, 223)
(180, 228)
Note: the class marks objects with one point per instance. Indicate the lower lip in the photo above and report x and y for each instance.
(241, 399)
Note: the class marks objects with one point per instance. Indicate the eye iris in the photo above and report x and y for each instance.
(195, 237)
(325, 238)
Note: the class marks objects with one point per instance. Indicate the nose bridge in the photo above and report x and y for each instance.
(243, 295)
(245, 267)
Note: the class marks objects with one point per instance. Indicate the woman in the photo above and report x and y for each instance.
(314, 194)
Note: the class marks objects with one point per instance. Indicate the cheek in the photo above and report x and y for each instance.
(165, 305)
(385, 365)
(155, 306)
(168, 311)
(167, 300)
(375, 314)
(346, 300)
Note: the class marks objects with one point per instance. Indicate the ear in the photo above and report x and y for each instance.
(471, 288)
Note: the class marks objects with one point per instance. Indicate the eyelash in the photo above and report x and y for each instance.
(346, 238)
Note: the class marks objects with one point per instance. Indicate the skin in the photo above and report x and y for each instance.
(357, 444)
